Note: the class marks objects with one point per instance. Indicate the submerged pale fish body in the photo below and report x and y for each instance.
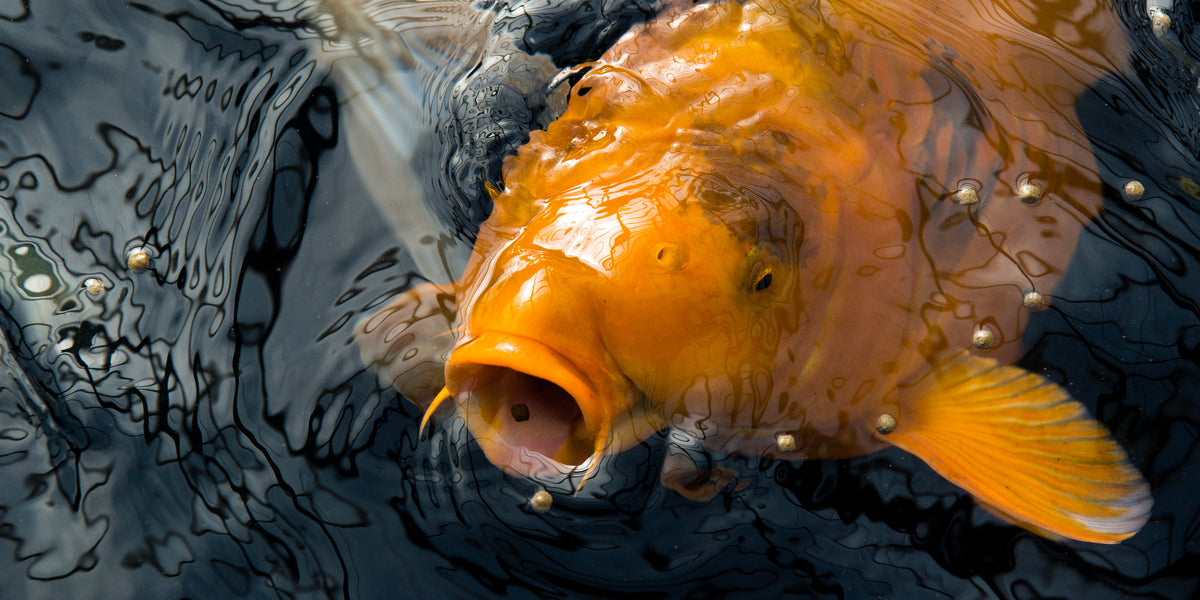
(816, 220)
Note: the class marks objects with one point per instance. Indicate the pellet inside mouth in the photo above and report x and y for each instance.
(520, 412)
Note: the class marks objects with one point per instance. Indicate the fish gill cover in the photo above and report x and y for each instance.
(204, 427)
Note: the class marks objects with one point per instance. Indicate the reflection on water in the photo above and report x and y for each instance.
(205, 428)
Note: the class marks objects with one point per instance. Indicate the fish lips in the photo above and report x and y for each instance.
(535, 412)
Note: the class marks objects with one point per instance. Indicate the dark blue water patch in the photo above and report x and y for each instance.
(573, 33)
(206, 429)
(18, 94)
(498, 103)
(1131, 315)
(142, 457)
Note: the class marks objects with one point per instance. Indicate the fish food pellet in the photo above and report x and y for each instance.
(966, 195)
(541, 501)
(520, 413)
(786, 442)
(983, 339)
(1029, 192)
(1159, 20)
(886, 424)
(1033, 300)
(94, 286)
(138, 260)
(1134, 190)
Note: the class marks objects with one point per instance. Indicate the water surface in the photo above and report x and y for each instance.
(205, 429)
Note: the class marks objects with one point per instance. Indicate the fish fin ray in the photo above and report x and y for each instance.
(1041, 462)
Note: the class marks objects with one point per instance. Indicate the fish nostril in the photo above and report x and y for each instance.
(668, 255)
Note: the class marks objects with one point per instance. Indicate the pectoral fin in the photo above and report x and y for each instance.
(409, 340)
(689, 469)
(1025, 449)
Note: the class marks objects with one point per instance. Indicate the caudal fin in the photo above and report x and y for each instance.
(1026, 450)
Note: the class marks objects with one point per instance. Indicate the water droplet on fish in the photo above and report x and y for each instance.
(1134, 190)
(541, 501)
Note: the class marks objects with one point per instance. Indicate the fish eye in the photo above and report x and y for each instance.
(763, 282)
(760, 269)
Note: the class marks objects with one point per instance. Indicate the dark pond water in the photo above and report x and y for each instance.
(206, 429)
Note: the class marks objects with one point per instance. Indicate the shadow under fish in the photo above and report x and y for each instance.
(795, 230)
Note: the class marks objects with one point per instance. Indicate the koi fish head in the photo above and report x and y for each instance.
(614, 306)
(643, 262)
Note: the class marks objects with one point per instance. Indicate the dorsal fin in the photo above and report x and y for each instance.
(1025, 449)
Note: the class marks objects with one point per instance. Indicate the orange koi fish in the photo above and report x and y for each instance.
(805, 230)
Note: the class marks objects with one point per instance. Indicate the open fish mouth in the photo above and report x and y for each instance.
(534, 412)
